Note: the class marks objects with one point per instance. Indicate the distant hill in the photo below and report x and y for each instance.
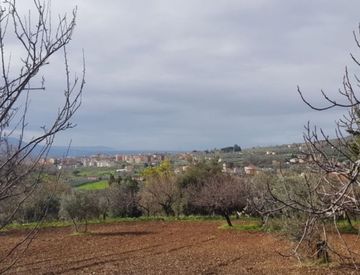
(73, 151)
(76, 151)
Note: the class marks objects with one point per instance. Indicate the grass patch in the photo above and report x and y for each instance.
(109, 220)
(345, 227)
(31, 225)
(281, 225)
(97, 185)
(245, 224)
(165, 218)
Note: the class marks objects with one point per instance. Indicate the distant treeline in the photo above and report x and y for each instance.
(235, 148)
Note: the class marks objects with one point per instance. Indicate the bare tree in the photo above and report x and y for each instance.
(38, 38)
(332, 187)
(222, 194)
(160, 192)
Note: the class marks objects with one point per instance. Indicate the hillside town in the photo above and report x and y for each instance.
(237, 162)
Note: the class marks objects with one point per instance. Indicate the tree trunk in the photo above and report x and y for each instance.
(322, 251)
(264, 220)
(227, 217)
(168, 210)
(76, 227)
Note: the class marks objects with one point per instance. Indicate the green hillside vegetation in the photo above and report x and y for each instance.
(258, 155)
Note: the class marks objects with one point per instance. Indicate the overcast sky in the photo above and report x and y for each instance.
(198, 74)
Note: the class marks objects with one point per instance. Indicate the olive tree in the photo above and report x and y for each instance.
(80, 207)
(260, 202)
(123, 198)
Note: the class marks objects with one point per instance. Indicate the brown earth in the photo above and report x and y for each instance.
(156, 248)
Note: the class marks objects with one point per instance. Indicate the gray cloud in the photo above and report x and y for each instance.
(201, 74)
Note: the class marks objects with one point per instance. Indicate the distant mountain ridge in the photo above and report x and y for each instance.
(77, 151)
(58, 151)
(72, 151)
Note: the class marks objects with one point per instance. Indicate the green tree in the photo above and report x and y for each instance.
(165, 168)
(199, 172)
(80, 207)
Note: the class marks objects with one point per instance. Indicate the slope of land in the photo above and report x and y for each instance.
(156, 248)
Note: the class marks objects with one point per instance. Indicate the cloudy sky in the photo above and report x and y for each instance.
(198, 74)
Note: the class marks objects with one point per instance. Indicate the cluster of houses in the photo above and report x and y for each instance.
(141, 158)
(104, 160)
(302, 158)
(253, 170)
(127, 163)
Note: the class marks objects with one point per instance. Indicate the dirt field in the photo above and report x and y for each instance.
(155, 248)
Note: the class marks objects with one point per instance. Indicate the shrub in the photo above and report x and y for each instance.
(80, 206)
(123, 198)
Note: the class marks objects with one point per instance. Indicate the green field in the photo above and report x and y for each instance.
(97, 185)
(94, 171)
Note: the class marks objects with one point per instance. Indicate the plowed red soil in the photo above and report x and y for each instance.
(156, 248)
